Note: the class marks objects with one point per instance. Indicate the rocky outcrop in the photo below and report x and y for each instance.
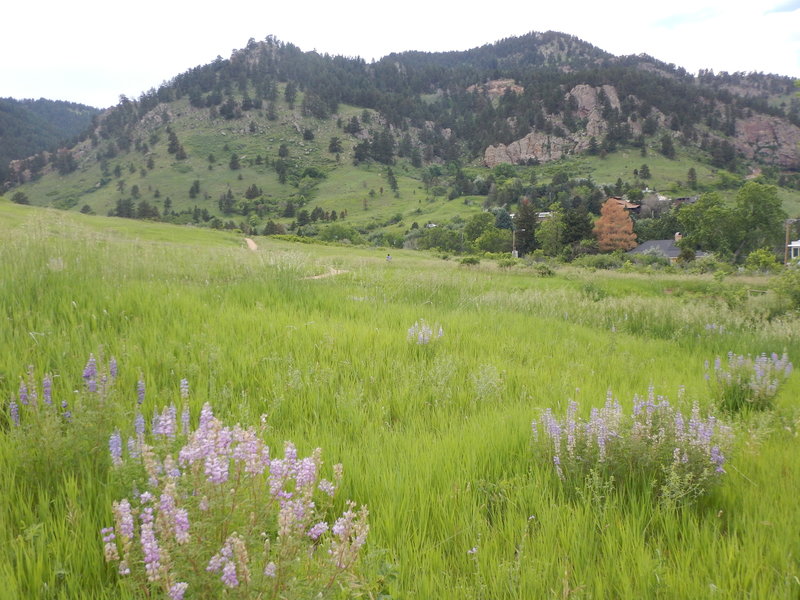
(768, 139)
(497, 87)
(537, 146)
(540, 147)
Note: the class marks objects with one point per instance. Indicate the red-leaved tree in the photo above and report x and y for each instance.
(614, 228)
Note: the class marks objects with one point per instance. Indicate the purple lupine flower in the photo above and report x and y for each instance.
(23, 392)
(718, 459)
(206, 414)
(13, 411)
(150, 549)
(229, 575)
(185, 420)
(306, 472)
(140, 392)
(47, 389)
(109, 545)
(167, 422)
(184, 388)
(124, 518)
(66, 413)
(327, 487)
(177, 590)
(271, 569)
(133, 448)
(112, 367)
(115, 447)
(181, 525)
(90, 370)
(138, 424)
(216, 469)
(317, 530)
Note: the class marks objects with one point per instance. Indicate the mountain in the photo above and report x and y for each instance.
(28, 127)
(275, 138)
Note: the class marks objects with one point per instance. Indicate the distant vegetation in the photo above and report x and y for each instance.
(276, 141)
(29, 127)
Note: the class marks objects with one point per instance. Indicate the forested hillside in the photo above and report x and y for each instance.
(276, 140)
(28, 127)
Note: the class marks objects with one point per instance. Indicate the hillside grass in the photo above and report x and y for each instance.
(435, 439)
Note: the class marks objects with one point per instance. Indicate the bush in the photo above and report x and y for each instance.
(506, 263)
(762, 261)
(787, 284)
(653, 448)
(217, 511)
(470, 260)
(747, 383)
(599, 261)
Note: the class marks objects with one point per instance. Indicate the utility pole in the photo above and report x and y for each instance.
(789, 223)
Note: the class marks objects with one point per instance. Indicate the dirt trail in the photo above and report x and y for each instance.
(251, 244)
(330, 273)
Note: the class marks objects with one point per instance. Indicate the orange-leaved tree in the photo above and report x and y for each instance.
(614, 228)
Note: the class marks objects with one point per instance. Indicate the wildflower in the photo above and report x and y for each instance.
(109, 546)
(422, 333)
(326, 486)
(184, 389)
(47, 390)
(115, 448)
(23, 392)
(124, 518)
(112, 367)
(185, 420)
(177, 590)
(90, 370)
(13, 411)
(229, 575)
(271, 569)
(150, 548)
(138, 424)
(473, 550)
(317, 530)
(140, 392)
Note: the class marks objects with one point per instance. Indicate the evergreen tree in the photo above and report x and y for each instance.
(691, 178)
(614, 228)
(392, 180)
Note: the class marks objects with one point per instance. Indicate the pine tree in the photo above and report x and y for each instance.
(614, 228)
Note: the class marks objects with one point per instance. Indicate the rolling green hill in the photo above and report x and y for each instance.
(278, 140)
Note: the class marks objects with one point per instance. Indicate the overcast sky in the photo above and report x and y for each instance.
(91, 51)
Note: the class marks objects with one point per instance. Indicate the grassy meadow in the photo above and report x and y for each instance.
(435, 439)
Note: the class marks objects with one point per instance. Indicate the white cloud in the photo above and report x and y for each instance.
(84, 51)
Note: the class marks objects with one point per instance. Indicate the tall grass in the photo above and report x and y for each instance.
(434, 438)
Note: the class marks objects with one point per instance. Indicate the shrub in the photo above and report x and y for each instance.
(505, 263)
(53, 434)
(216, 511)
(653, 448)
(470, 260)
(599, 261)
(422, 333)
(747, 382)
(787, 284)
(762, 261)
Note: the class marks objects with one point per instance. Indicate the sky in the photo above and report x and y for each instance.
(93, 51)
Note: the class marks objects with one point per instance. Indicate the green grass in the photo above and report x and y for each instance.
(434, 439)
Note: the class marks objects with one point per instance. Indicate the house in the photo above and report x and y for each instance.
(666, 248)
(794, 250)
(629, 206)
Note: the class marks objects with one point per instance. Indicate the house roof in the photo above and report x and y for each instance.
(794, 244)
(664, 247)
